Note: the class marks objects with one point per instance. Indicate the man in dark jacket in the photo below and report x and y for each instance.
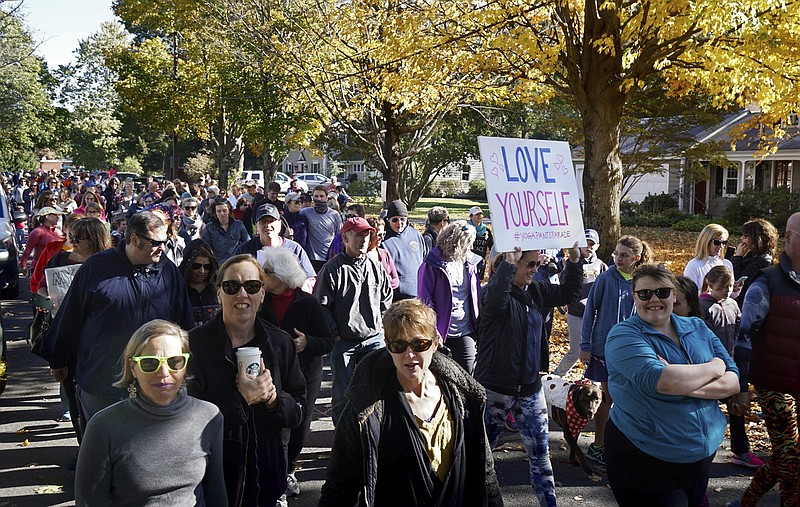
(354, 291)
(113, 294)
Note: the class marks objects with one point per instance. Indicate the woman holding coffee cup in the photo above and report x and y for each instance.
(256, 407)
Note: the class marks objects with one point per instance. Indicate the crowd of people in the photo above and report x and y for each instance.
(436, 344)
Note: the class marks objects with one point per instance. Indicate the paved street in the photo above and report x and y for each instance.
(36, 474)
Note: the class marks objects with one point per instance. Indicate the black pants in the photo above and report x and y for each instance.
(637, 479)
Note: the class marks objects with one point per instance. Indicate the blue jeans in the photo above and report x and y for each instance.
(345, 355)
(530, 412)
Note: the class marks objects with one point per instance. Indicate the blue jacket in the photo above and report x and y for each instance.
(108, 300)
(408, 250)
(610, 301)
(678, 429)
(435, 291)
(224, 242)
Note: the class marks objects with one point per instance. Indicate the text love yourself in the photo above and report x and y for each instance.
(535, 206)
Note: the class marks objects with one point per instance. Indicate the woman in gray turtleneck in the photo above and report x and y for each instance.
(160, 446)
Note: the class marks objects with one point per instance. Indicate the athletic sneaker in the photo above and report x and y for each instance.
(292, 487)
(510, 423)
(597, 453)
(282, 502)
(747, 459)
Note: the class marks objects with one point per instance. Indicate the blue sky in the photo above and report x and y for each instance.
(59, 24)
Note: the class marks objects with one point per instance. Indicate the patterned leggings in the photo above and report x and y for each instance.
(530, 412)
(780, 417)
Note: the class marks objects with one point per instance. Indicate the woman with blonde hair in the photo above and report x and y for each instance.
(709, 251)
(129, 446)
(447, 281)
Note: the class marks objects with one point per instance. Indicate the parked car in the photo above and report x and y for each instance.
(9, 250)
(283, 179)
(312, 179)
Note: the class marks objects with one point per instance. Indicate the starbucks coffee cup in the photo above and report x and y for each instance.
(250, 357)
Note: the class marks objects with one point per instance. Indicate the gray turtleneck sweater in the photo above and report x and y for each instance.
(137, 453)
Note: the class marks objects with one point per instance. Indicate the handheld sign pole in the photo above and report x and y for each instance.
(532, 193)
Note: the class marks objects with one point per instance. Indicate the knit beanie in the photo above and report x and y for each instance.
(397, 209)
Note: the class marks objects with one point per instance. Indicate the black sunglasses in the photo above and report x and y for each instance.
(719, 242)
(150, 364)
(156, 243)
(197, 265)
(532, 264)
(400, 346)
(190, 208)
(662, 293)
(231, 287)
(397, 220)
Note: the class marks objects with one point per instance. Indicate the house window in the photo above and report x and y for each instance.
(314, 167)
(358, 167)
(465, 172)
(731, 182)
(783, 173)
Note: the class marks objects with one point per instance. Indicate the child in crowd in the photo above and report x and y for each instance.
(722, 314)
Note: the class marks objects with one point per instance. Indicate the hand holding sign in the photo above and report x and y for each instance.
(533, 195)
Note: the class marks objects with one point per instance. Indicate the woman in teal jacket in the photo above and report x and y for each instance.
(666, 374)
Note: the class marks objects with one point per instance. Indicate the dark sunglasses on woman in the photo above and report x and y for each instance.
(661, 293)
(400, 346)
(150, 364)
(231, 287)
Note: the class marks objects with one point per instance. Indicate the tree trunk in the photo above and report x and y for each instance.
(391, 170)
(602, 173)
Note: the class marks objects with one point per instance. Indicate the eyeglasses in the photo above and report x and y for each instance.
(719, 242)
(646, 294)
(150, 364)
(190, 208)
(155, 242)
(400, 346)
(268, 272)
(398, 219)
(231, 287)
(197, 265)
(77, 241)
(532, 264)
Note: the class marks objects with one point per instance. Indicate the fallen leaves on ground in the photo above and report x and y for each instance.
(24, 443)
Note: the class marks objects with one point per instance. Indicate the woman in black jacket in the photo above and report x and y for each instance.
(754, 252)
(255, 408)
(510, 355)
(412, 432)
(300, 315)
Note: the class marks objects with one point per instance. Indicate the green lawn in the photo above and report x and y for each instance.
(457, 208)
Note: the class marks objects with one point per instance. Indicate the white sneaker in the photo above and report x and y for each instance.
(292, 487)
(282, 502)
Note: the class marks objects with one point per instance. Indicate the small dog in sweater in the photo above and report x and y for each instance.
(572, 405)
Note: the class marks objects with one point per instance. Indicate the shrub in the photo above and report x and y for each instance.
(693, 223)
(665, 219)
(444, 188)
(477, 188)
(369, 188)
(658, 203)
(774, 204)
(628, 207)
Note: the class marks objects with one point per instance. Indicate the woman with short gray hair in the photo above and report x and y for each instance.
(300, 315)
(448, 282)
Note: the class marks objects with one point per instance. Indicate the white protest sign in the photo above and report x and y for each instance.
(532, 193)
(58, 281)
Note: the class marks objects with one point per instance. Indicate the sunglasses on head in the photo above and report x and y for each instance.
(400, 346)
(662, 293)
(231, 287)
(197, 265)
(155, 242)
(150, 364)
(719, 242)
